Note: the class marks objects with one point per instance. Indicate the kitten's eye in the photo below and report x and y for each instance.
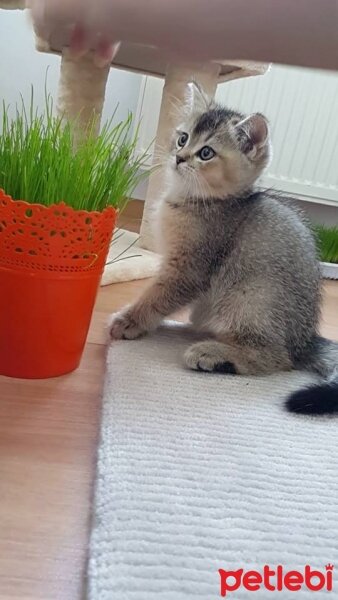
(206, 153)
(182, 140)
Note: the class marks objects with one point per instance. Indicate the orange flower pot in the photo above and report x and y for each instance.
(51, 262)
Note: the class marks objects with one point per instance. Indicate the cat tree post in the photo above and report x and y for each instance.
(82, 84)
(81, 92)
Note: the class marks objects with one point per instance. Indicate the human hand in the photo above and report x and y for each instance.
(80, 25)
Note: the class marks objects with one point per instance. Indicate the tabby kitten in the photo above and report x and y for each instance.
(240, 258)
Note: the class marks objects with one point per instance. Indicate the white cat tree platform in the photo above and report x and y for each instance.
(82, 92)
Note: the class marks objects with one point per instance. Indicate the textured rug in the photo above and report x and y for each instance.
(199, 473)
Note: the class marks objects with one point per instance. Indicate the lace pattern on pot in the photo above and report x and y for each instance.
(53, 238)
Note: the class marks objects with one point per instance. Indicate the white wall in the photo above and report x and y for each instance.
(21, 66)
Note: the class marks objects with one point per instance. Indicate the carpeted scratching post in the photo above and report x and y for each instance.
(81, 93)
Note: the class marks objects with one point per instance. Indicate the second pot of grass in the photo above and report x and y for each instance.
(327, 243)
(58, 208)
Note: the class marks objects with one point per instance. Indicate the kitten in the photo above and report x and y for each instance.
(240, 258)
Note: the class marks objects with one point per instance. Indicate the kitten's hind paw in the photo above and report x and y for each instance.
(209, 356)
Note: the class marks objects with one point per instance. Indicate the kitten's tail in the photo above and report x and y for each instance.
(320, 399)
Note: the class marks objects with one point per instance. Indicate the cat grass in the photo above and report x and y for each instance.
(327, 242)
(40, 164)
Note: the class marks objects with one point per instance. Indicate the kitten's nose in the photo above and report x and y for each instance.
(179, 159)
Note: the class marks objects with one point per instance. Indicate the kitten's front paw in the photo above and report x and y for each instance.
(123, 326)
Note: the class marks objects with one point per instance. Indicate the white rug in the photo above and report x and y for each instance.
(200, 472)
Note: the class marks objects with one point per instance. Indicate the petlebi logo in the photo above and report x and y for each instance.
(276, 579)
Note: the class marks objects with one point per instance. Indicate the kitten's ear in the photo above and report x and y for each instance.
(252, 134)
(196, 101)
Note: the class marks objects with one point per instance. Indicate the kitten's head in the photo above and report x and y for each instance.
(217, 152)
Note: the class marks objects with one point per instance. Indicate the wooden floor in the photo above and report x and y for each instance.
(48, 440)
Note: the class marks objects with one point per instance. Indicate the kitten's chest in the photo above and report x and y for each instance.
(176, 227)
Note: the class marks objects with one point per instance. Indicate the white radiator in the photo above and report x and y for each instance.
(302, 106)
